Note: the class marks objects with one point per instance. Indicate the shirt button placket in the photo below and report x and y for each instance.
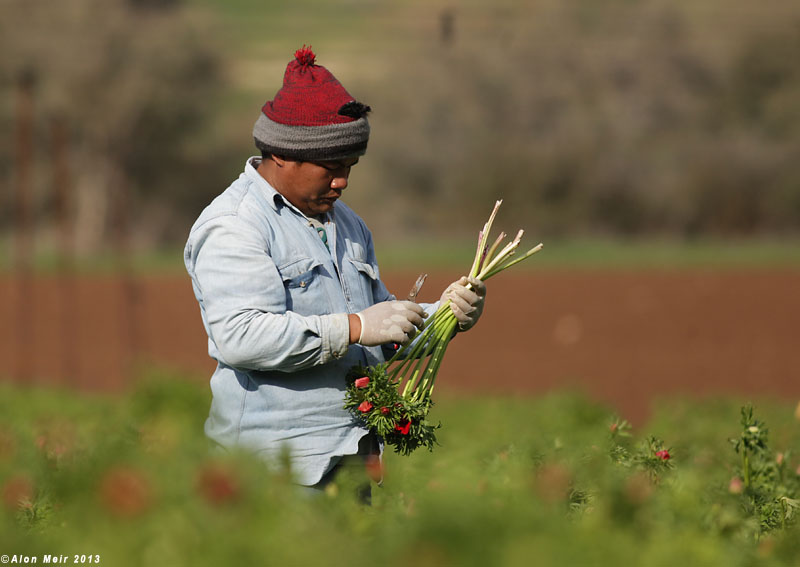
(342, 281)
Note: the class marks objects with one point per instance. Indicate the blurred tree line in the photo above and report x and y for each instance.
(624, 117)
(131, 85)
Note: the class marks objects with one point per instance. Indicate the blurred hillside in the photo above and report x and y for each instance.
(614, 117)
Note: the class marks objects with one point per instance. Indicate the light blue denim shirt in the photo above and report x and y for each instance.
(274, 301)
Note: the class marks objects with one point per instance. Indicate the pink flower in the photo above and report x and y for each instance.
(736, 486)
(664, 454)
(365, 406)
(403, 426)
(362, 382)
(385, 410)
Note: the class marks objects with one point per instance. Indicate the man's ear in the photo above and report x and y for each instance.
(279, 160)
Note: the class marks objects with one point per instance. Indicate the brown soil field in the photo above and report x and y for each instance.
(629, 339)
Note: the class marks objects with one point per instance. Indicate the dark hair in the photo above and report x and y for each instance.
(265, 155)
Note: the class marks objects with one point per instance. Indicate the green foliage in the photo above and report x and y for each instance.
(552, 481)
(770, 493)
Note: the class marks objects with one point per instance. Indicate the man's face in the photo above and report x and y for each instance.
(314, 186)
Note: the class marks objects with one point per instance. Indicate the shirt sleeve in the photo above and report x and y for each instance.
(244, 304)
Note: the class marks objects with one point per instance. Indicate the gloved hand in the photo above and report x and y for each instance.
(467, 304)
(390, 321)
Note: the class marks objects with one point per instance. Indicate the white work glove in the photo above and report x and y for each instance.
(390, 322)
(466, 303)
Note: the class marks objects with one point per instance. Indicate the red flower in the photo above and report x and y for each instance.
(664, 454)
(403, 426)
(8, 445)
(362, 382)
(125, 492)
(365, 406)
(18, 492)
(374, 466)
(385, 410)
(218, 484)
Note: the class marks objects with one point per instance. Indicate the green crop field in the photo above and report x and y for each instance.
(555, 480)
(645, 253)
(452, 254)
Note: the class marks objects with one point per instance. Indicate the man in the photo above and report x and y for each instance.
(289, 288)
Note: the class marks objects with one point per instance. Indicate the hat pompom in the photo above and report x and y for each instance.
(305, 56)
(354, 109)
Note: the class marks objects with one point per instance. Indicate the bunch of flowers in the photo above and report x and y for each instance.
(393, 399)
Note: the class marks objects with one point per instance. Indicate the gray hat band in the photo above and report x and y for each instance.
(327, 139)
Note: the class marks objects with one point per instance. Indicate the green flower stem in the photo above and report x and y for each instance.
(419, 391)
(476, 263)
(422, 348)
(413, 377)
(415, 348)
(438, 333)
(489, 273)
(414, 367)
(503, 255)
(440, 338)
(419, 353)
(783, 513)
(443, 337)
(746, 467)
(418, 362)
(438, 356)
(494, 247)
(482, 240)
(407, 354)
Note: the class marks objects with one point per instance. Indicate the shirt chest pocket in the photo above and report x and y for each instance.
(303, 289)
(367, 276)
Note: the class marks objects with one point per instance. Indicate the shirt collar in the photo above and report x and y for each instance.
(273, 197)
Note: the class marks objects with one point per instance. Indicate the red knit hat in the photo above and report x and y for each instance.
(312, 117)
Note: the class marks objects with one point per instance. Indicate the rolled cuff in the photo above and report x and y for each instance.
(335, 337)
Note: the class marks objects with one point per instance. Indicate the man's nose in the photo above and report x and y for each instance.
(339, 180)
